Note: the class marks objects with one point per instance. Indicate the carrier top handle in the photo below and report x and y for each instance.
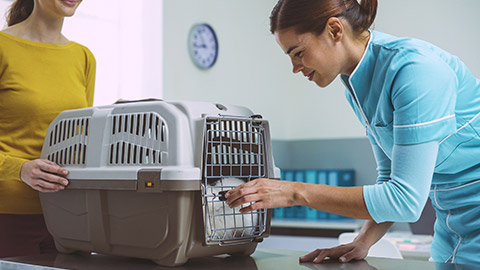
(123, 101)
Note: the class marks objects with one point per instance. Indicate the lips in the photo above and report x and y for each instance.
(310, 76)
(70, 3)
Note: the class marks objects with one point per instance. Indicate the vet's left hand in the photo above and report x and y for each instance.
(264, 193)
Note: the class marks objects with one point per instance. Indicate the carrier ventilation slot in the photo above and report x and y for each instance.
(67, 141)
(234, 148)
(137, 139)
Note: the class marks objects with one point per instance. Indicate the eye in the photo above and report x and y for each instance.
(298, 54)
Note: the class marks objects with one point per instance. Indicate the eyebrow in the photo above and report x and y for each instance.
(291, 49)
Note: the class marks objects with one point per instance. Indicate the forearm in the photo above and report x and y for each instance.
(10, 167)
(345, 201)
(371, 232)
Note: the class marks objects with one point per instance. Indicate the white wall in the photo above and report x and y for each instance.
(141, 51)
(252, 70)
(248, 65)
(126, 39)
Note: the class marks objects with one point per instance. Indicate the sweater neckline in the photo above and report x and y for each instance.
(37, 43)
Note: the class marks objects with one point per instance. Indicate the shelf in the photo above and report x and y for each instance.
(339, 224)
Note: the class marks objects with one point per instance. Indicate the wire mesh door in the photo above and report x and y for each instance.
(234, 153)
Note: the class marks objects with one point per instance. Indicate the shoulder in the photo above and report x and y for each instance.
(412, 56)
(82, 48)
(84, 51)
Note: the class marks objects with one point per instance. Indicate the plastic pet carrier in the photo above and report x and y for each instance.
(147, 180)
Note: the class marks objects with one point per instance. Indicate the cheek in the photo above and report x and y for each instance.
(318, 61)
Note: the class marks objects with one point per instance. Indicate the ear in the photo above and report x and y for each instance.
(335, 28)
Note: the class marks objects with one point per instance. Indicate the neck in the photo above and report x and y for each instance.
(40, 27)
(356, 50)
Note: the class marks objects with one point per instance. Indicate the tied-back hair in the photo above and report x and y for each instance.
(312, 15)
(19, 11)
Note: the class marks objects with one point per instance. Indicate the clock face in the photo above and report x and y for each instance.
(203, 46)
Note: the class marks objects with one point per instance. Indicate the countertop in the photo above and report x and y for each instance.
(260, 259)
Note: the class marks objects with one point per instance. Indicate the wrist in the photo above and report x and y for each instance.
(363, 240)
(299, 194)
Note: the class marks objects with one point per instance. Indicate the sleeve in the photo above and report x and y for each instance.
(90, 71)
(383, 164)
(401, 196)
(10, 167)
(423, 96)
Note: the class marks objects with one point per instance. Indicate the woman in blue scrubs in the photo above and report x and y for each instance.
(420, 106)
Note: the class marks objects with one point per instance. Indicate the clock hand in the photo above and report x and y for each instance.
(203, 40)
(200, 45)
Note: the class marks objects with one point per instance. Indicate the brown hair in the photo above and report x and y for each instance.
(19, 11)
(312, 15)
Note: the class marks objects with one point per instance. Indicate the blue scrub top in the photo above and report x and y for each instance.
(407, 91)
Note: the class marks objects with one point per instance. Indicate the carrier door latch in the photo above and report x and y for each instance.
(149, 180)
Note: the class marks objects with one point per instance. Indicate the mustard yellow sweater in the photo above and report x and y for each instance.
(37, 81)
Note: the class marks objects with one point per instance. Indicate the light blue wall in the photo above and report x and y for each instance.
(253, 71)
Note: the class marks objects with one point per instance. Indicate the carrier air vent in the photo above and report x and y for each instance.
(234, 153)
(137, 139)
(67, 141)
(234, 148)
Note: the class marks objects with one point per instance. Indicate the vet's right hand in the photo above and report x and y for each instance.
(44, 175)
(343, 253)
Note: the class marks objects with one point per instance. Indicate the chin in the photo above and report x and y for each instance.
(324, 83)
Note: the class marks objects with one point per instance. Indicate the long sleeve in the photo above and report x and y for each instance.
(10, 167)
(401, 195)
(37, 82)
(90, 77)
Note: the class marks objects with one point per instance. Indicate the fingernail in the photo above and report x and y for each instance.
(65, 183)
(227, 194)
(343, 259)
(65, 171)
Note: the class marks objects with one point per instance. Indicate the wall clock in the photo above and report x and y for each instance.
(203, 45)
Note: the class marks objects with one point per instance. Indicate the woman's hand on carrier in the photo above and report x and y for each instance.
(263, 193)
(43, 175)
(343, 253)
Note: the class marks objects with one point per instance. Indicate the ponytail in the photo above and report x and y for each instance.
(369, 8)
(312, 15)
(19, 11)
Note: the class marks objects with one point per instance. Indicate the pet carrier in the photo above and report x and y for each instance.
(147, 179)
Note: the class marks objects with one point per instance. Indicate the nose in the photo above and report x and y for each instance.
(297, 65)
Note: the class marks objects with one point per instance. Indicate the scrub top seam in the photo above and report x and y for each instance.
(464, 126)
(454, 252)
(425, 123)
(458, 187)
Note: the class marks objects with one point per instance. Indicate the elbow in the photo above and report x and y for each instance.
(410, 212)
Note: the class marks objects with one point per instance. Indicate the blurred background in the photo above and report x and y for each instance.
(141, 51)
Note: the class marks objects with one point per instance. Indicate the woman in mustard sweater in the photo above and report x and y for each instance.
(41, 74)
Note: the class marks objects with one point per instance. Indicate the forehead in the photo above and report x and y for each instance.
(288, 39)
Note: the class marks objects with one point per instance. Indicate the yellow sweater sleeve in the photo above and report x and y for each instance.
(37, 82)
(10, 167)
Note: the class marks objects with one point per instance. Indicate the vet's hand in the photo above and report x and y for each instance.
(265, 193)
(343, 253)
(44, 175)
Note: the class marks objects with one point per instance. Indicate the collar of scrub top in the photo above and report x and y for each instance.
(360, 79)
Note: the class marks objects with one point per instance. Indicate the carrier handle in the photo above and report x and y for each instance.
(124, 101)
